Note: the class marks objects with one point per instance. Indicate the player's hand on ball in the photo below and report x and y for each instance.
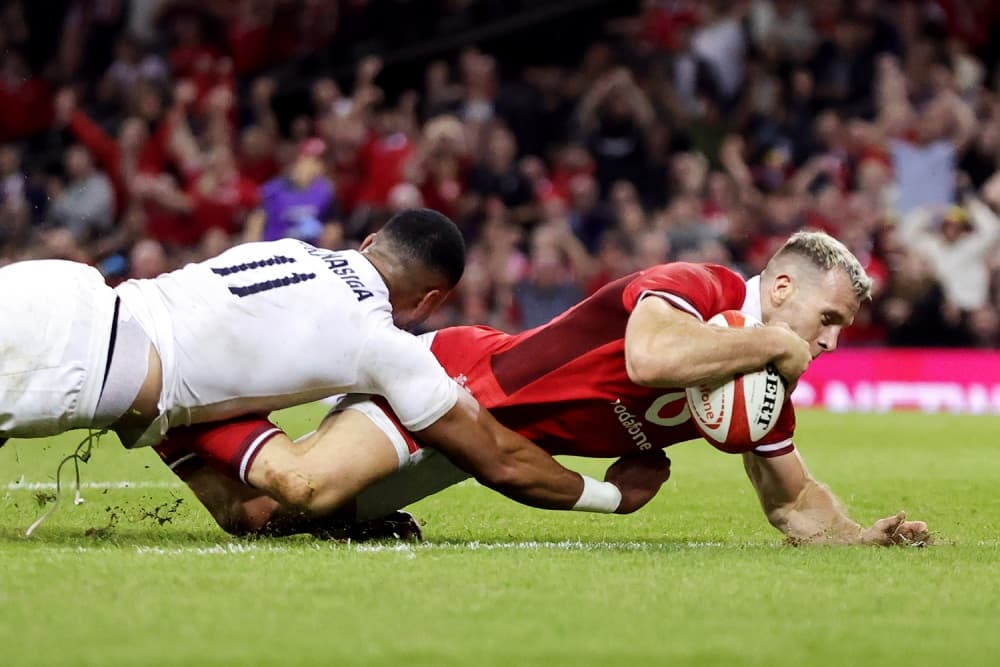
(794, 361)
(896, 530)
(638, 477)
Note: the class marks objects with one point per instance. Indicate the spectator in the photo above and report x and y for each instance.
(587, 216)
(689, 75)
(844, 65)
(548, 291)
(495, 265)
(782, 30)
(133, 152)
(25, 102)
(17, 199)
(218, 197)
(147, 260)
(404, 196)
(129, 67)
(957, 242)
(614, 259)
(701, 131)
(84, 206)
(686, 230)
(301, 205)
(924, 164)
(440, 166)
(193, 57)
(720, 40)
(613, 117)
(441, 95)
(257, 155)
(499, 175)
(378, 145)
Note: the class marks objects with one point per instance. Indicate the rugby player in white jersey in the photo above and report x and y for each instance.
(261, 327)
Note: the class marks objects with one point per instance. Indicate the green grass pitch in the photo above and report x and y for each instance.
(141, 576)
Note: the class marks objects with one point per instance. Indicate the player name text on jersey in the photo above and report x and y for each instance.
(340, 267)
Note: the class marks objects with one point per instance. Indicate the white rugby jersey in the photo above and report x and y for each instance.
(264, 326)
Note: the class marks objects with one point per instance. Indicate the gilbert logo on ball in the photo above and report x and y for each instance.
(738, 413)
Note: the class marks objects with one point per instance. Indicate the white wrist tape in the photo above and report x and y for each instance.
(597, 496)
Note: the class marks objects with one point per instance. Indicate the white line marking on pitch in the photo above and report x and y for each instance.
(407, 548)
(411, 550)
(51, 486)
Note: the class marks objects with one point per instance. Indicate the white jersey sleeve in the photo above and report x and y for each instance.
(401, 367)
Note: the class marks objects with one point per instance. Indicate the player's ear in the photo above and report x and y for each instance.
(782, 288)
(370, 239)
(431, 301)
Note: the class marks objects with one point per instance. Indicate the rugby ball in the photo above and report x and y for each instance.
(738, 413)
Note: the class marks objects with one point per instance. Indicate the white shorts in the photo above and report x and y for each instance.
(423, 471)
(57, 319)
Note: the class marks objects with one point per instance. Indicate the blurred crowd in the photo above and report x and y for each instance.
(141, 135)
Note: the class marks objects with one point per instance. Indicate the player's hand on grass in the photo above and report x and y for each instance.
(638, 477)
(794, 361)
(896, 530)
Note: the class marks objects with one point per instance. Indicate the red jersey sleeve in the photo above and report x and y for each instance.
(779, 441)
(703, 290)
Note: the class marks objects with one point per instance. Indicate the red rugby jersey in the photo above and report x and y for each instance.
(564, 384)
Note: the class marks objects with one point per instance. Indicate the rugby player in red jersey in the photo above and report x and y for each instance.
(604, 379)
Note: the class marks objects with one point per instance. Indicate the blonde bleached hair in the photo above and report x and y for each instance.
(825, 253)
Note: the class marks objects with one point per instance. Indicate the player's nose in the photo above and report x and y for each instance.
(827, 340)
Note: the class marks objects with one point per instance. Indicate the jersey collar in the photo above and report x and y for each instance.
(751, 305)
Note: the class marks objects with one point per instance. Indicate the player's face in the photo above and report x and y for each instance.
(816, 306)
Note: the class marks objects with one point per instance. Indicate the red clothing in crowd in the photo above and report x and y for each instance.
(247, 41)
(350, 184)
(196, 62)
(259, 170)
(970, 21)
(442, 193)
(25, 108)
(152, 159)
(224, 206)
(382, 161)
(563, 176)
(661, 25)
(169, 227)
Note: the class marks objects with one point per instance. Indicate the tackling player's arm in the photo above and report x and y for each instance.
(808, 512)
(514, 466)
(668, 347)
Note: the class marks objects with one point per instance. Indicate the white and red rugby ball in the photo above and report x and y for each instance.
(737, 414)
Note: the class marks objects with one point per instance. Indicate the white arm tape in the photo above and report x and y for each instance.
(603, 497)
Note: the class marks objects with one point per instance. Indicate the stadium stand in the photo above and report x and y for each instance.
(573, 142)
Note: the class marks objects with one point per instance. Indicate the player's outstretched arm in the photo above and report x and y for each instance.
(667, 347)
(511, 464)
(809, 513)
